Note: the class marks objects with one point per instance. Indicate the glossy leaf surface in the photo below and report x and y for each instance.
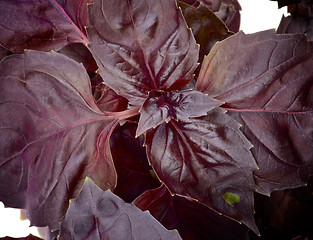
(52, 135)
(162, 107)
(192, 219)
(141, 45)
(109, 217)
(204, 159)
(266, 82)
(41, 24)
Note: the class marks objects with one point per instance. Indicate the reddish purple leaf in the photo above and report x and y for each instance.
(29, 237)
(77, 11)
(108, 100)
(106, 216)
(296, 24)
(192, 219)
(80, 54)
(227, 10)
(207, 159)
(52, 135)
(229, 13)
(304, 10)
(206, 27)
(214, 5)
(162, 107)
(300, 21)
(267, 84)
(141, 45)
(42, 24)
(135, 176)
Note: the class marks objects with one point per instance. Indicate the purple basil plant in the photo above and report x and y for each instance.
(111, 108)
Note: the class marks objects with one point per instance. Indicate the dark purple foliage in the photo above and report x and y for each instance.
(282, 3)
(162, 107)
(42, 24)
(29, 237)
(227, 10)
(207, 159)
(106, 216)
(131, 163)
(300, 21)
(192, 219)
(269, 91)
(122, 102)
(206, 27)
(57, 138)
(139, 46)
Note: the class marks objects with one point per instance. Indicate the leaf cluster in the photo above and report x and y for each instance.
(150, 119)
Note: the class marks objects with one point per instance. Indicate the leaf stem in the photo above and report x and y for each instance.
(84, 39)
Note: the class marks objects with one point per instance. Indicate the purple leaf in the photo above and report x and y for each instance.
(206, 27)
(41, 24)
(207, 159)
(300, 21)
(229, 13)
(295, 24)
(305, 9)
(77, 11)
(141, 45)
(192, 219)
(135, 176)
(29, 237)
(52, 135)
(106, 216)
(109, 101)
(227, 10)
(266, 82)
(161, 107)
(213, 5)
(80, 54)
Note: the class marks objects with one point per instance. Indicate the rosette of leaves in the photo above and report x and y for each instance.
(245, 127)
(227, 10)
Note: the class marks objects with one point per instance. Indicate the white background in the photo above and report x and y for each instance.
(256, 15)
